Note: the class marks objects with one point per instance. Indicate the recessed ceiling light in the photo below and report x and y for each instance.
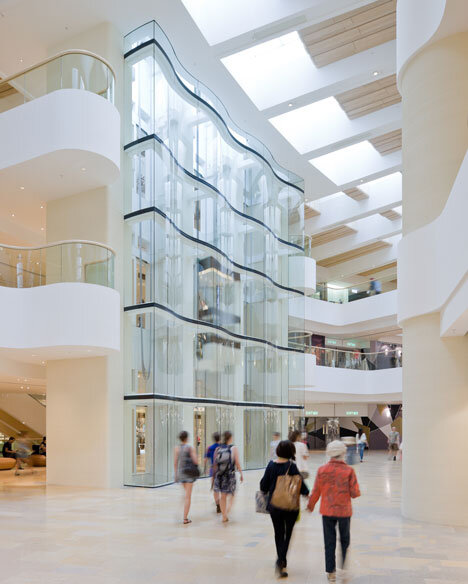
(22, 387)
(21, 60)
(22, 188)
(83, 169)
(42, 206)
(12, 214)
(290, 104)
(42, 228)
(375, 73)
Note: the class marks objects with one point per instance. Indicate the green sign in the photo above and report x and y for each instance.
(352, 413)
(312, 413)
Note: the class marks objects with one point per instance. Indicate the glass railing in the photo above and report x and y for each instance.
(341, 294)
(64, 261)
(359, 359)
(68, 70)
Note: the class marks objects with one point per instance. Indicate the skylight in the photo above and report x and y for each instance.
(314, 125)
(353, 162)
(272, 72)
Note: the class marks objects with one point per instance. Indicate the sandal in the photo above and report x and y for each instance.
(187, 521)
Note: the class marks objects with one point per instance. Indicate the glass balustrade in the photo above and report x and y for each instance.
(68, 261)
(68, 70)
(331, 292)
(361, 359)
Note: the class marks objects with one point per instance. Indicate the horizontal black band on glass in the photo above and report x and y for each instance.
(210, 107)
(207, 184)
(210, 246)
(210, 401)
(136, 307)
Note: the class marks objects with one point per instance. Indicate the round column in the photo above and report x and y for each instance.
(434, 86)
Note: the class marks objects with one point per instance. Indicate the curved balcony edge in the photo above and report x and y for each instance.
(59, 321)
(363, 315)
(328, 384)
(65, 142)
(76, 260)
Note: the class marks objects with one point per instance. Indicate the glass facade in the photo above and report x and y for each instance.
(211, 222)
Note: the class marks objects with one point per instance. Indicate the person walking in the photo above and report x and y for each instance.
(23, 451)
(302, 453)
(361, 441)
(393, 443)
(226, 461)
(336, 484)
(186, 470)
(283, 521)
(274, 444)
(209, 460)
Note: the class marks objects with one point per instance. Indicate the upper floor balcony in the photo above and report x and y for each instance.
(59, 129)
(57, 301)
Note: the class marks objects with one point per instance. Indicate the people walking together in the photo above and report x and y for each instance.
(186, 470)
(226, 461)
(283, 514)
(336, 484)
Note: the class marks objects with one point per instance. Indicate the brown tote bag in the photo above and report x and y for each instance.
(287, 493)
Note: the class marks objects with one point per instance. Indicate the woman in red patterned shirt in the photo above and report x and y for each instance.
(336, 484)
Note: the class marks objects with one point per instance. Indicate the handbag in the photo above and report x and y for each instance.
(287, 493)
(261, 502)
(192, 470)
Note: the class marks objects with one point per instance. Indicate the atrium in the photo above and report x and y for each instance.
(226, 226)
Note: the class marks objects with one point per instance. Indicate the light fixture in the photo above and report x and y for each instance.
(21, 60)
(22, 387)
(42, 228)
(83, 169)
(22, 188)
(375, 73)
(290, 104)
(42, 206)
(12, 214)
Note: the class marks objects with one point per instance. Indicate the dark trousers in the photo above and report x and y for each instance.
(283, 524)
(329, 536)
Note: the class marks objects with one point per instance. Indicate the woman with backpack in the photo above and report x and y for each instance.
(186, 470)
(285, 513)
(226, 461)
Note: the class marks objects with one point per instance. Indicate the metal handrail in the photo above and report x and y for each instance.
(356, 350)
(12, 77)
(388, 278)
(63, 242)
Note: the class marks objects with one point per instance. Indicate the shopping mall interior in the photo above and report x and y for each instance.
(242, 216)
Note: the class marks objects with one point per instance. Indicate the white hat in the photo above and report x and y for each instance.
(336, 448)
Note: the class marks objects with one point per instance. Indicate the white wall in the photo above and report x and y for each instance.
(58, 320)
(49, 139)
(433, 264)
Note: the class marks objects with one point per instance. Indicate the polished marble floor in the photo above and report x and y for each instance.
(61, 535)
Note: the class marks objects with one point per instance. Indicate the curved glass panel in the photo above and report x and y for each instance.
(70, 261)
(195, 132)
(211, 222)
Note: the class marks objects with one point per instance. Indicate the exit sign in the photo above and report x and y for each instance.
(352, 413)
(312, 413)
